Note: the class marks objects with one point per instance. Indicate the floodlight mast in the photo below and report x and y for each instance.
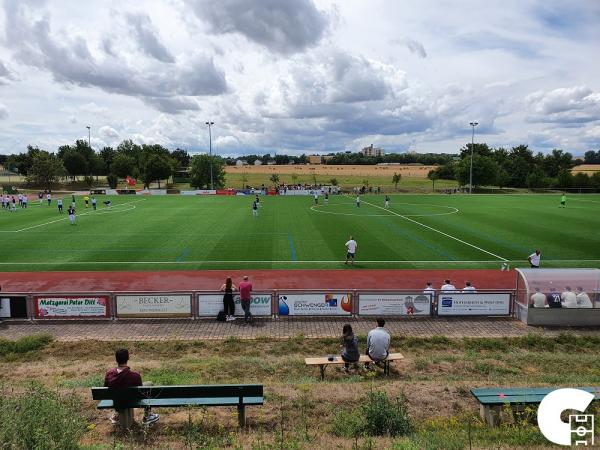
(210, 124)
(473, 125)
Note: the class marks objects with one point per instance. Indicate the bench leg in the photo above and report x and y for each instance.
(322, 369)
(125, 418)
(490, 414)
(241, 415)
(386, 367)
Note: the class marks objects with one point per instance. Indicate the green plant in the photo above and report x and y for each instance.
(377, 415)
(25, 344)
(40, 419)
(112, 180)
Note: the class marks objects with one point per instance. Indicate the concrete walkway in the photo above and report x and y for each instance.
(156, 330)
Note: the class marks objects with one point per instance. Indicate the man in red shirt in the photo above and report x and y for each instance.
(122, 377)
(246, 298)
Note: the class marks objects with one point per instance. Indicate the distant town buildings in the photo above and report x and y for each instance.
(241, 162)
(373, 151)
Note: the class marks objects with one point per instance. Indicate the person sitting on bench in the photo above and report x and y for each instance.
(122, 377)
(378, 343)
(349, 343)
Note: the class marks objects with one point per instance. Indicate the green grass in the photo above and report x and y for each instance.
(419, 231)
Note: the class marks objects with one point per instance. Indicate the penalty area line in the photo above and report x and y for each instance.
(438, 231)
(98, 212)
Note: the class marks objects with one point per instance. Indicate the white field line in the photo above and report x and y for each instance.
(57, 263)
(437, 231)
(98, 212)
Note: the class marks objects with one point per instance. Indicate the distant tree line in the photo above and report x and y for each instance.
(148, 163)
(349, 158)
(517, 167)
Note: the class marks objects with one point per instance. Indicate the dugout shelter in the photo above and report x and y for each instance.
(558, 281)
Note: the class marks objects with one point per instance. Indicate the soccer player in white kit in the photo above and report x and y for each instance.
(351, 250)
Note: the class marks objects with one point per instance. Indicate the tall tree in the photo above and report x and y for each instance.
(484, 171)
(123, 165)
(182, 157)
(396, 179)
(158, 167)
(200, 171)
(74, 162)
(46, 170)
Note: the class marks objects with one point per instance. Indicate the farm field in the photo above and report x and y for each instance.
(217, 232)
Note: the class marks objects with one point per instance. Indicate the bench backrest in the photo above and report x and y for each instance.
(190, 391)
(499, 396)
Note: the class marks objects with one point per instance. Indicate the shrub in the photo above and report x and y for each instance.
(112, 180)
(377, 415)
(24, 345)
(40, 419)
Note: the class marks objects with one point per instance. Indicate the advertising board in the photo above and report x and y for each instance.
(315, 304)
(70, 306)
(479, 304)
(209, 305)
(394, 304)
(154, 305)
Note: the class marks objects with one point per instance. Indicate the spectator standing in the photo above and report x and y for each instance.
(228, 305)
(583, 300)
(538, 299)
(246, 298)
(122, 377)
(534, 259)
(349, 343)
(447, 286)
(378, 343)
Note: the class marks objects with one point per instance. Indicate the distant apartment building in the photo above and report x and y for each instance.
(373, 151)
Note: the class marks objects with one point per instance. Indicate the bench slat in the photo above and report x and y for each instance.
(190, 391)
(177, 402)
(500, 396)
(338, 359)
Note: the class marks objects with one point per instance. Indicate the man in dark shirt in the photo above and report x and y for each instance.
(554, 299)
(122, 377)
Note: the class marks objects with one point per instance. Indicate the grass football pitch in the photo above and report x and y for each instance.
(219, 232)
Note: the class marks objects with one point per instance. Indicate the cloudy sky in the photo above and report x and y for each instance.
(294, 76)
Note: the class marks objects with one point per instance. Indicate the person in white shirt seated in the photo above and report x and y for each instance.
(447, 286)
(568, 298)
(469, 289)
(429, 289)
(583, 300)
(538, 299)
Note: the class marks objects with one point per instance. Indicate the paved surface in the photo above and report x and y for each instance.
(192, 280)
(155, 330)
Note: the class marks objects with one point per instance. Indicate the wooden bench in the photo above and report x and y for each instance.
(324, 361)
(124, 400)
(494, 399)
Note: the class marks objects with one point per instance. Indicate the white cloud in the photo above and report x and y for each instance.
(300, 75)
(3, 112)
(109, 132)
(565, 105)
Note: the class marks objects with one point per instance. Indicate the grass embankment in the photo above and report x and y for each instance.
(301, 411)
